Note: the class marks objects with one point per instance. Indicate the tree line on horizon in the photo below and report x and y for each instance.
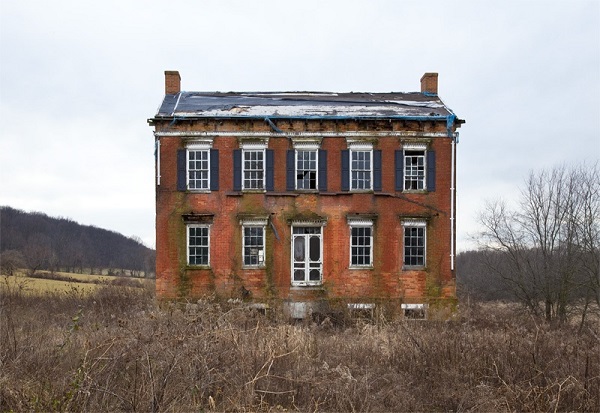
(36, 241)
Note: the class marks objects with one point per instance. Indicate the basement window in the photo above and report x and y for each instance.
(414, 311)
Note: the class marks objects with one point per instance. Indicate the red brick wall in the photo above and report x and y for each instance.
(227, 278)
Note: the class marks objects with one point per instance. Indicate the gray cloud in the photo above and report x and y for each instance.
(79, 79)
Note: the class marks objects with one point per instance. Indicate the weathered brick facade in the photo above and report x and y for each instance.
(385, 207)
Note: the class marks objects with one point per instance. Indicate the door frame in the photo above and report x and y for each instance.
(306, 282)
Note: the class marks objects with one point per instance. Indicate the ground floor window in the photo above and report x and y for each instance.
(253, 245)
(198, 244)
(414, 243)
(361, 242)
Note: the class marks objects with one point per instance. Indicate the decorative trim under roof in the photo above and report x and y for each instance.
(332, 134)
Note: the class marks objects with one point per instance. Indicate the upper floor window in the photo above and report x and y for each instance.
(198, 167)
(306, 166)
(414, 243)
(415, 167)
(306, 169)
(198, 244)
(253, 166)
(414, 170)
(361, 167)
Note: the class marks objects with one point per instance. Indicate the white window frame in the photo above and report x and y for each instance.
(188, 246)
(312, 145)
(414, 223)
(197, 146)
(260, 147)
(355, 147)
(414, 147)
(361, 223)
(254, 223)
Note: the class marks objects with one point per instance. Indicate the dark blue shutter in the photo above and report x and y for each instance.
(181, 170)
(323, 170)
(345, 170)
(399, 170)
(377, 170)
(270, 169)
(290, 170)
(431, 170)
(237, 169)
(214, 169)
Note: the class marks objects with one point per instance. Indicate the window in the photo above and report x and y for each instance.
(415, 167)
(253, 166)
(198, 167)
(254, 245)
(198, 240)
(360, 169)
(306, 169)
(361, 242)
(414, 170)
(415, 311)
(414, 243)
(198, 170)
(306, 166)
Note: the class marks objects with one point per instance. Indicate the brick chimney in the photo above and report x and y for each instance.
(429, 83)
(172, 82)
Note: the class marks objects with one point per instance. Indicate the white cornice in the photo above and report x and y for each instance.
(351, 134)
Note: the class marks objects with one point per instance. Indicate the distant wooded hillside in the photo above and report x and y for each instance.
(37, 241)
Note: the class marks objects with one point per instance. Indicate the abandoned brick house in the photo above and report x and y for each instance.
(306, 198)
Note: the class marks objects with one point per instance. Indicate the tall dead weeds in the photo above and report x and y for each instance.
(117, 350)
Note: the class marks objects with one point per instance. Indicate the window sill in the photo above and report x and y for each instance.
(363, 267)
(197, 267)
(253, 191)
(361, 191)
(415, 191)
(253, 267)
(414, 268)
(308, 286)
(199, 191)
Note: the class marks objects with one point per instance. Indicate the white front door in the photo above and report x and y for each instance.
(307, 253)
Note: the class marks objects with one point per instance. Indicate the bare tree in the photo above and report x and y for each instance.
(543, 247)
(11, 261)
(38, 252)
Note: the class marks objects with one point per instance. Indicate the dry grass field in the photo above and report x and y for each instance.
(63, 282)
(115, 349)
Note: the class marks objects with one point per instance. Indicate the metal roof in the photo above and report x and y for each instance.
(304, 105)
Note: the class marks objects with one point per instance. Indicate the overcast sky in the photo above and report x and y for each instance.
(79, 79)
